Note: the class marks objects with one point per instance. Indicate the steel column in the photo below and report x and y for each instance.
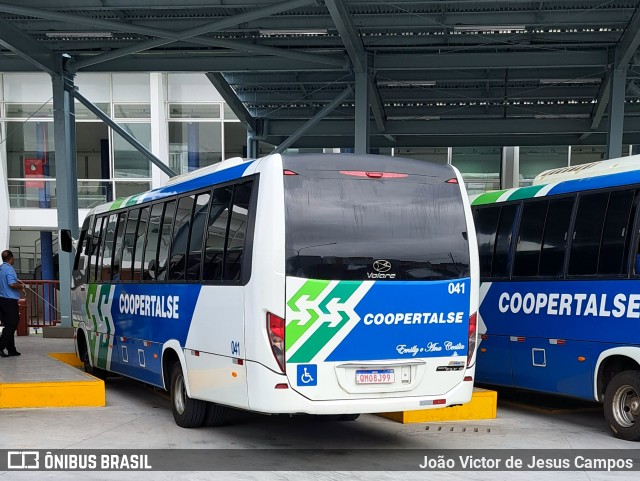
(362, 114)
(66, 181)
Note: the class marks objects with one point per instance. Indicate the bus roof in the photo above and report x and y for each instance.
(221, 172)
(609, 173)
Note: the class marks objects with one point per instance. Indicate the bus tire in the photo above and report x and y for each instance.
(622, 405)
(215, 415)
(348, 417)
(187, 412)
(88, 368)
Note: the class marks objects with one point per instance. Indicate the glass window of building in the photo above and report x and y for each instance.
(534, 160)
(30, 164)
(127, 161)
(193, 145)
(235, 140)
(194, 111)
(479, 166)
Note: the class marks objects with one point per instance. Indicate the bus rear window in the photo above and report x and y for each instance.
(341, 227)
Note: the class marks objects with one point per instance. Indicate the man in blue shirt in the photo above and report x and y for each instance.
(10, 291)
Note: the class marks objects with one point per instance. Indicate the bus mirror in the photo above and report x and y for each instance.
(66, 240)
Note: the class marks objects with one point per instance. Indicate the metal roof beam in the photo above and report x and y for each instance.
(378, 141)
(409, 77)
(167, 37)
(232, 100)
(348, 34)
(26, 48)
(459, 65)
(358, 55)
(456, 127)
(226, 63)
(313, 121)
(626, 49)
(629, 42)
(498, 60)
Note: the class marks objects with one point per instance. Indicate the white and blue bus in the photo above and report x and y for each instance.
(320, 284)
(560, 287)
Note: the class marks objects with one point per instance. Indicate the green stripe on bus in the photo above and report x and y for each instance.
(132, 200)
(325, 332)
(116, 204)
(526, 192)
(296, 328)
(488, 197)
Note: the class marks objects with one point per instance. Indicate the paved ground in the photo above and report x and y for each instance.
(138, 417)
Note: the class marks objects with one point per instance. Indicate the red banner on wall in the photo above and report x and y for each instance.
(34, 169)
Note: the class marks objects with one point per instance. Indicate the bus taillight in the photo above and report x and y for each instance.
(473, 321)
(374, 175)
(275, 328)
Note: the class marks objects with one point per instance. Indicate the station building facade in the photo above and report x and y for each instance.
(184, 121)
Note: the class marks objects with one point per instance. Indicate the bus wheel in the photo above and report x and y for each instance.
(88, 368)
(622, 405)
(215, 415)
(187, 412)
(348, 417)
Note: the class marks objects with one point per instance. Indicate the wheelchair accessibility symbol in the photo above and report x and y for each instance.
(307, 375)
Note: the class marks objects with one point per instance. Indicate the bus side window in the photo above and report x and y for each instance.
(180, 239)
(500, 267)
(216, 234)
(138, 252)
(529, 241)
(80, 262)
(587, 234)
(94, 257)
(237, 232)
(117, 246)
(151, 247)
(486, 228)
(554, 241)
(106, 251)
(164, 243)
(128, 243)
(615, 236)
(196, 238)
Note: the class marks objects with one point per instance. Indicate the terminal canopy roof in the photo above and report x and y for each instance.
(436, 72)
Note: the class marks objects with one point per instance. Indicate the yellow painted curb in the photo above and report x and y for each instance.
(55, 394)
(62, 394)
(483, 405)
(68, 358)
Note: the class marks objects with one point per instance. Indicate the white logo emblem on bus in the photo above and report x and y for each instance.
(382, 265)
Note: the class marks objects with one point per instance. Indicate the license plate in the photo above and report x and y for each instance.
(375, 376)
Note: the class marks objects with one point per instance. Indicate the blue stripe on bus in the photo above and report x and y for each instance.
(218, 177)
(611, 180)
(604, 311)
(409, 320)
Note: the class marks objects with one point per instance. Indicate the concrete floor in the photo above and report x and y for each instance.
(138, 417)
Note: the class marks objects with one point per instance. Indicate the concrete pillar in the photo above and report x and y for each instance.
(510, 168)
(159, 127)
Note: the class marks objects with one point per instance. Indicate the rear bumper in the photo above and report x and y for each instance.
(264, 398)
